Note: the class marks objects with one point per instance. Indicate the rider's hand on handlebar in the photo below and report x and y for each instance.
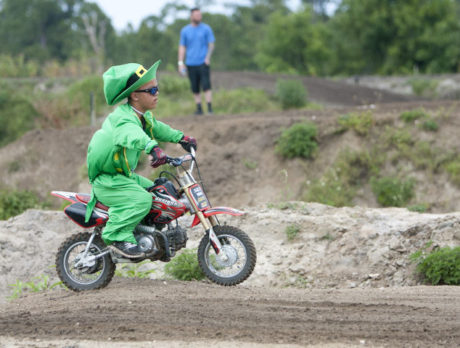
(158, 157)
(188, 142)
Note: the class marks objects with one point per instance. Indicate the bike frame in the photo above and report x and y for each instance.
(201, 207)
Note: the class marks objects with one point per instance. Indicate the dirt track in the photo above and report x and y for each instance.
(415, 316)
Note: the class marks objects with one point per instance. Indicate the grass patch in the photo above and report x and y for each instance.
(440, 266)
(185, 266)
(412, 115)
(424, 87)
(393, 192)
(337, 187)
(37, 284)
(360, 123)
(418, 208)
(133, 270)
(299, 140)
(292, 231)
(249, 164)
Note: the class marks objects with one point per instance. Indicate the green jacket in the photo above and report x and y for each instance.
(116, 147)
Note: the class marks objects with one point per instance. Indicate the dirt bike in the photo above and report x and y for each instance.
(226, 254)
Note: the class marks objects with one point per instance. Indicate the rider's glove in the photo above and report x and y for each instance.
(158, 157)
(188, 143)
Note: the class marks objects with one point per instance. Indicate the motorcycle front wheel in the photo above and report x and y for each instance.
(94, 275)
(239, 261)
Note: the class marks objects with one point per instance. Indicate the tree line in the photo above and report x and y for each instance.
(359, 37)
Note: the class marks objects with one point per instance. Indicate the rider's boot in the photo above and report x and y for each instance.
(127, 249)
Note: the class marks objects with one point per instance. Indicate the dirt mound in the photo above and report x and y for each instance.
(346, 247)
(237, 156)
(202, 314)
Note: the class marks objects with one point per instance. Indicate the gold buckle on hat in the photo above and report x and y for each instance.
(140, 71)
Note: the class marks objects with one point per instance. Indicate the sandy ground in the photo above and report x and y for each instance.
(146, 311)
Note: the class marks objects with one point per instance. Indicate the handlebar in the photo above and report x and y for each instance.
(177, 161)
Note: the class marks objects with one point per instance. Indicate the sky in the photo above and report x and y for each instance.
(123, 12)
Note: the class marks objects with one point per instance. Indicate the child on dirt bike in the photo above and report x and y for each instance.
(114, 151)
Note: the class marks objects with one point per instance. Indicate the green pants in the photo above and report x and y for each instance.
(128, 203)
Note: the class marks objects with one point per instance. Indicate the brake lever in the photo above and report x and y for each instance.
(176, 162)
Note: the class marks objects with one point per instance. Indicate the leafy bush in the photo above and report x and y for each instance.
(292, 231)
(17, 114)
(441, 266)
(430, 125)
(453, 169)
(412, 115)
(360, 123)
(424, 87)
(17, 66)
(392, 192)
(13, 203)
(185, 266)
(337, 187)
(291, 93)
(298, 141)
(242, 100)
(170, 84)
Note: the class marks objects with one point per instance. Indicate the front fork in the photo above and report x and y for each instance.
(215, 242)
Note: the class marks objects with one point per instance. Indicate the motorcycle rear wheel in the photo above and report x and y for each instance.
(84, 278)
(241, 256)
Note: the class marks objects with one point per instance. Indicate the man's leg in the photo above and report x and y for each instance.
(194, 77)
(206, 83)
(128, 204)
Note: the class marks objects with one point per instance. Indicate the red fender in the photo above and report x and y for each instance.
(215, 211)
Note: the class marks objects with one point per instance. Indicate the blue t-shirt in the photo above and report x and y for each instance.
(196, 40)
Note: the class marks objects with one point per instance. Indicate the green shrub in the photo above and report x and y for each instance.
(17, 66)
(419, 208)
(392, 192)
(298, 141)
(17, 114)
(13, 203)
(424, 87)
(441, 266)
(242, 100)
(453, 169)
(291, 93)
(170, 84)
(292, 231)
(185, 266)
(337, 187)
(430, 125)
(360, 123)
(412, 115)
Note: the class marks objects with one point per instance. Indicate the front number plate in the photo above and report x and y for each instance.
(199, 197)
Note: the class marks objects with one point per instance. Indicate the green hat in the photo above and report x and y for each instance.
(121, 80)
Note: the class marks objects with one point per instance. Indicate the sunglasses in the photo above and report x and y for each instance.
(152, 91)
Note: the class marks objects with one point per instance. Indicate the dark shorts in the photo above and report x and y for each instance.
(199, 75)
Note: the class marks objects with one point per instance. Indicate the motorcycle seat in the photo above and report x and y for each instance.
(85, 198)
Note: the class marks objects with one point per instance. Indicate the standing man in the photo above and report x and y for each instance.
(196, 45)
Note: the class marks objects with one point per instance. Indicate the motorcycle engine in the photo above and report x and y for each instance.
(146, 243)
(177, 237)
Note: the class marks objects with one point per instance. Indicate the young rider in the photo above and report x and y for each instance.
(114, 151)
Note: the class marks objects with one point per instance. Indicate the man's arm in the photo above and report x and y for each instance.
(180, 58)
(207, 60)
